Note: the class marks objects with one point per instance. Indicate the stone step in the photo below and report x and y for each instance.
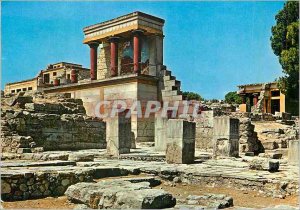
(38, 164)
(172, 83)
(171, 92)
(172, 98)
(23, 150)
(166, 73)
(170, 88)
(167, 78)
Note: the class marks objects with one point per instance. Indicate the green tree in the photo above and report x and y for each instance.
(285, 44)
(192, 96)
(233, 97)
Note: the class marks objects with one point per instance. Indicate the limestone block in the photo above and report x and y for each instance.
(120, 194)
(212, 201)
(270, 144)
(118, 134)
(81, 157)
(226, 137)
(293, 153)
(180, 141)
(160, 133)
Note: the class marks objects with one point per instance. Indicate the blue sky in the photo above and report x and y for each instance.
(210, 46)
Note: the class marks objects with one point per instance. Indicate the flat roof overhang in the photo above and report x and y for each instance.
(104, 82)
(122, 26)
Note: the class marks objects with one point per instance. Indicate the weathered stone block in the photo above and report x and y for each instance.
(270, 144)
(118, 134)
(273, 165)
(120, 194)
(226, 137)
(160, 133)
(81, 157)
(180, 141)
(294, 152)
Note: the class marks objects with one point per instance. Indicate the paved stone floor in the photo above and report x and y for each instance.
(231, 173)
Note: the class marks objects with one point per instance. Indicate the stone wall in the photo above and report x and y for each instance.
(36, 185)
(59, 125)
(262, 117)
(204, 128)
(248, 137)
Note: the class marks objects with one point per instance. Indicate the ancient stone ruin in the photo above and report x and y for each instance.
(84, 140)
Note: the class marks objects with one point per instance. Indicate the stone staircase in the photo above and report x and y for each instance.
(170, 87)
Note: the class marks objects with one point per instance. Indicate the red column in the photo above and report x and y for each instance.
(73, 76)
(137, 51)
(255, 99)
(56, 82)
(114, 56)
(93, 57)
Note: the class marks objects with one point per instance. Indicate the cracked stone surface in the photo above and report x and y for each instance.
(229, 172)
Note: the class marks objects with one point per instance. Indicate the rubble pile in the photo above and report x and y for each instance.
(274, 139)
(248, 138)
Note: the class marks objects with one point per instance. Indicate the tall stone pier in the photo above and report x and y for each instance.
(180, 141)
(118, 134)
(226, 137)
(160, 133)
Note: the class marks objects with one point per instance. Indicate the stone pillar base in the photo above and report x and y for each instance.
(118, 135)
(180, 141)
(225, 137)
(160, 125)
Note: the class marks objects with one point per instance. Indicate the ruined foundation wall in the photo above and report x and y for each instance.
(248, 137)
(37, 185)
(52, 126)
(204, 130)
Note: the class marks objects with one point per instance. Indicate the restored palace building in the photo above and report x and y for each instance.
(54, 75)
(266, 97)
(126, 57)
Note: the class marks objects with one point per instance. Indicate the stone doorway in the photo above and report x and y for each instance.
(275, 106)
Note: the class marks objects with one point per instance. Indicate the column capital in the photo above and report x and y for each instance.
(93, 44)
(114, 39)
(138, 32)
